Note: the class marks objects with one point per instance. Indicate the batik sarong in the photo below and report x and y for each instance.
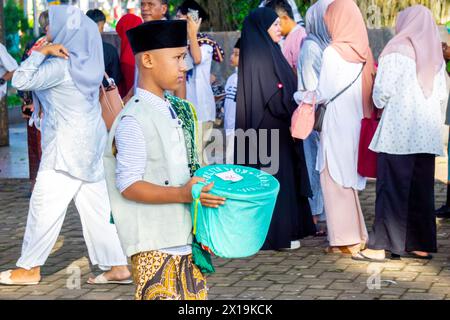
(160, 276)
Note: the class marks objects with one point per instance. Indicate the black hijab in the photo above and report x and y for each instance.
(265, 78)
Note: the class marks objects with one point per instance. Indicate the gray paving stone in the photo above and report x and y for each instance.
(304, 274)
(422, 296)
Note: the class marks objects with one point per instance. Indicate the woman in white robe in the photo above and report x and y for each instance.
(346, 59)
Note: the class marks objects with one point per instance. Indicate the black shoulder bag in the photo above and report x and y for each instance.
(321, 108)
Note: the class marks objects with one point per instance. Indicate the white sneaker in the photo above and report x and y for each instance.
(295, 244)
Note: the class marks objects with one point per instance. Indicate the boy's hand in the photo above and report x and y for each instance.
(207, 200)
(193, 27)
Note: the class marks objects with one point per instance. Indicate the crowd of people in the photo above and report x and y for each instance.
(132, 185)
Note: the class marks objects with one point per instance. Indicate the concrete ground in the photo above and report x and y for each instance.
(306, 273)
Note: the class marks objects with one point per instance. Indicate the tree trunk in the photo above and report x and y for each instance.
(218, 12)
(4, 135)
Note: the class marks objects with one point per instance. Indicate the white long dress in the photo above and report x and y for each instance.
(337, 157)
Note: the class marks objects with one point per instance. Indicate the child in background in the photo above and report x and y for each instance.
(203, 50)
(290, 30)
(230, 104)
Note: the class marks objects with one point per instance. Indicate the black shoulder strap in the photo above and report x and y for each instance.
(346, 88)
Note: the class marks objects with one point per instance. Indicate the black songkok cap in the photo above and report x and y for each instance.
(238, 44)
(158, 34)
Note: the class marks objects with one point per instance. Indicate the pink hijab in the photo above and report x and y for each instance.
(417, 37)
(349, 38)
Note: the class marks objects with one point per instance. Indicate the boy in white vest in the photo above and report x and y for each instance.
(150, 159)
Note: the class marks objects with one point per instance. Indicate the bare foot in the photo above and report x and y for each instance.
(342, 249)
(117, 273)
(316, 219)
(353, 249)
(24, 276)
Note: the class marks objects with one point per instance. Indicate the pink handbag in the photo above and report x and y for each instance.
(302, 121)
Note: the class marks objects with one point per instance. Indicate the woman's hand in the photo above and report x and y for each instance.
(56, 50)
(207, 200)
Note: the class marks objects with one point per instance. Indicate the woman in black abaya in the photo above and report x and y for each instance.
(266, 85)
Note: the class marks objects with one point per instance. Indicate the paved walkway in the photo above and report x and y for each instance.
(14, 159)
(306, 273)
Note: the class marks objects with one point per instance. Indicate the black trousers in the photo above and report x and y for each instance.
(404, 208)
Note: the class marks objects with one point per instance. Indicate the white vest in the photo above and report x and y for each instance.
(146, 227)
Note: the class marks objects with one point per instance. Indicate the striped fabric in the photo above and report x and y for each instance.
(132, 154)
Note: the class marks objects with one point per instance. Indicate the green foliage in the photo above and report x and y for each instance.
(13, 100)
(15, 22)
(173, 5)
(303, 6)
(239, 10)
(233, 11)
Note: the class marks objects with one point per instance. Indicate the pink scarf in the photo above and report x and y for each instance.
(349, 38)
(417, 37)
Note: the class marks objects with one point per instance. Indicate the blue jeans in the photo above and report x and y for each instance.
(310, 146)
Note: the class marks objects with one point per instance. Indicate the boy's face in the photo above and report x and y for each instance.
(165, 66)
(180, 16)
(152, 10)
(285, 24)
(234, 59)
(101, 26)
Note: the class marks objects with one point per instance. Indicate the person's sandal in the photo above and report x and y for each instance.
(320, 233)
(101, 279)
(5, 279)
(362, 257)
(413, 255)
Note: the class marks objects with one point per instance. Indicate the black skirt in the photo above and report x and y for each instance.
(404, 208)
